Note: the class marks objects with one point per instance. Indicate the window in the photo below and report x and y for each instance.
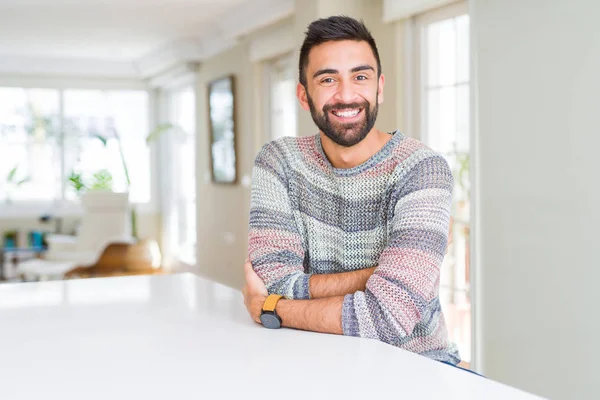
(181, 204)
(47, 134)
(30, 155)
(122, 119)
(442, 121)
(281, 101)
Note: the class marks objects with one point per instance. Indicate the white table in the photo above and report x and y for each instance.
(183, 337)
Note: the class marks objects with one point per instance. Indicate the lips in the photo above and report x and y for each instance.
(347, 113)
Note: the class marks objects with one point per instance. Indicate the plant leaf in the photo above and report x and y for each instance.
(103, 180)
(101, 138)
(77, 182)
(22, 181)
(158, 131)
(12, 173)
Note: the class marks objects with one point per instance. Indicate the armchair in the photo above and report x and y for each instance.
(104, 221)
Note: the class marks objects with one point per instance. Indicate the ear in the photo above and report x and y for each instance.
(302, 96)
(380, 89)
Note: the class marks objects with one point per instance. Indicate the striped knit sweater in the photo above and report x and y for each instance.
(392, 211)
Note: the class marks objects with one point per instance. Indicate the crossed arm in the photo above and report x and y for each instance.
(384, 302)
(322, 313)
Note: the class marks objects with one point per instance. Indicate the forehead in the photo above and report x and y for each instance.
(341, 55)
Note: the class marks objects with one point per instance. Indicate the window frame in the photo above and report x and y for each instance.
(414, 109)
(417, 68)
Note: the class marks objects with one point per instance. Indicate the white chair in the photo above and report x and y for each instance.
(105, 220)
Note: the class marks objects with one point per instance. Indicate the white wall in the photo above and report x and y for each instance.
(539, 193)
(223, 210)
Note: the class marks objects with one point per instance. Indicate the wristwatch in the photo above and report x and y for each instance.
(268, 316)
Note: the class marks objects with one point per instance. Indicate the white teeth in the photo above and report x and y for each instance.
(346, 113)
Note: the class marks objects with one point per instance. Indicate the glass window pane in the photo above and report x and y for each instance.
(120, 117)
(30, 164)
(457, 313)
(432, 55)
(447, 119)
(463, 117)
(462, 50)
(129, 112)
(441, 119)
(441, 53)
(283, 98)
(182, 113)
(432, 119)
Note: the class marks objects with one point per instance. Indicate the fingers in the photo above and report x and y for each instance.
(245, 293)
(254, 283)
(247, 265)
(249, 272)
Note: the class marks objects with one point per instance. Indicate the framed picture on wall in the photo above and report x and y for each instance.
(221, 111)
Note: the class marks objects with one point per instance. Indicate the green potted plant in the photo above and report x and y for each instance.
(76, 181)
(102, 180)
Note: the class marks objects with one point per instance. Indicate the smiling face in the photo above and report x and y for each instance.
(342, 91)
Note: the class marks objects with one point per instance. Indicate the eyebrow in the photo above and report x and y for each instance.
(362, 68)
(325, 71)
(335, 71)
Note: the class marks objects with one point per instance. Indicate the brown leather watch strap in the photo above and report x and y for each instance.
(271, 302)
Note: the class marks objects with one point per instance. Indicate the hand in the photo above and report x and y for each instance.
(255, 292)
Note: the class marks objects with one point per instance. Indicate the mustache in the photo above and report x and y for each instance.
(341, 106)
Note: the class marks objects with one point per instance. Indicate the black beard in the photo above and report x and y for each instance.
(346, 135)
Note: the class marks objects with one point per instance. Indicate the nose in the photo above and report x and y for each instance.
(345, 93)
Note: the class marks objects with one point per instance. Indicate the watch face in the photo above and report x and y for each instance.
(270, 321)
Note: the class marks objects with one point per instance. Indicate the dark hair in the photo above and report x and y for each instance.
(334, 28)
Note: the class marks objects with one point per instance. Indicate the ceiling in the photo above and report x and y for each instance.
(116, 30)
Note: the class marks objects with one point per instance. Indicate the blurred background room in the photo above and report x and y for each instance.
(128, 131)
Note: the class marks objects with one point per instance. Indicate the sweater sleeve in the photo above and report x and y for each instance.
(405, 285)
(275, 245)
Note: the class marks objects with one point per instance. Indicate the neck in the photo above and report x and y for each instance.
(348, 157)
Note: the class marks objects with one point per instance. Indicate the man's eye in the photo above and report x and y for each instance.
(361, 78)
(327, 80)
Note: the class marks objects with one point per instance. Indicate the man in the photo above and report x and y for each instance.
(350, 226)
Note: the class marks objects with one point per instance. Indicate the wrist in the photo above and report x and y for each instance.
(281, 309)
(368, 273)
(269, 317)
